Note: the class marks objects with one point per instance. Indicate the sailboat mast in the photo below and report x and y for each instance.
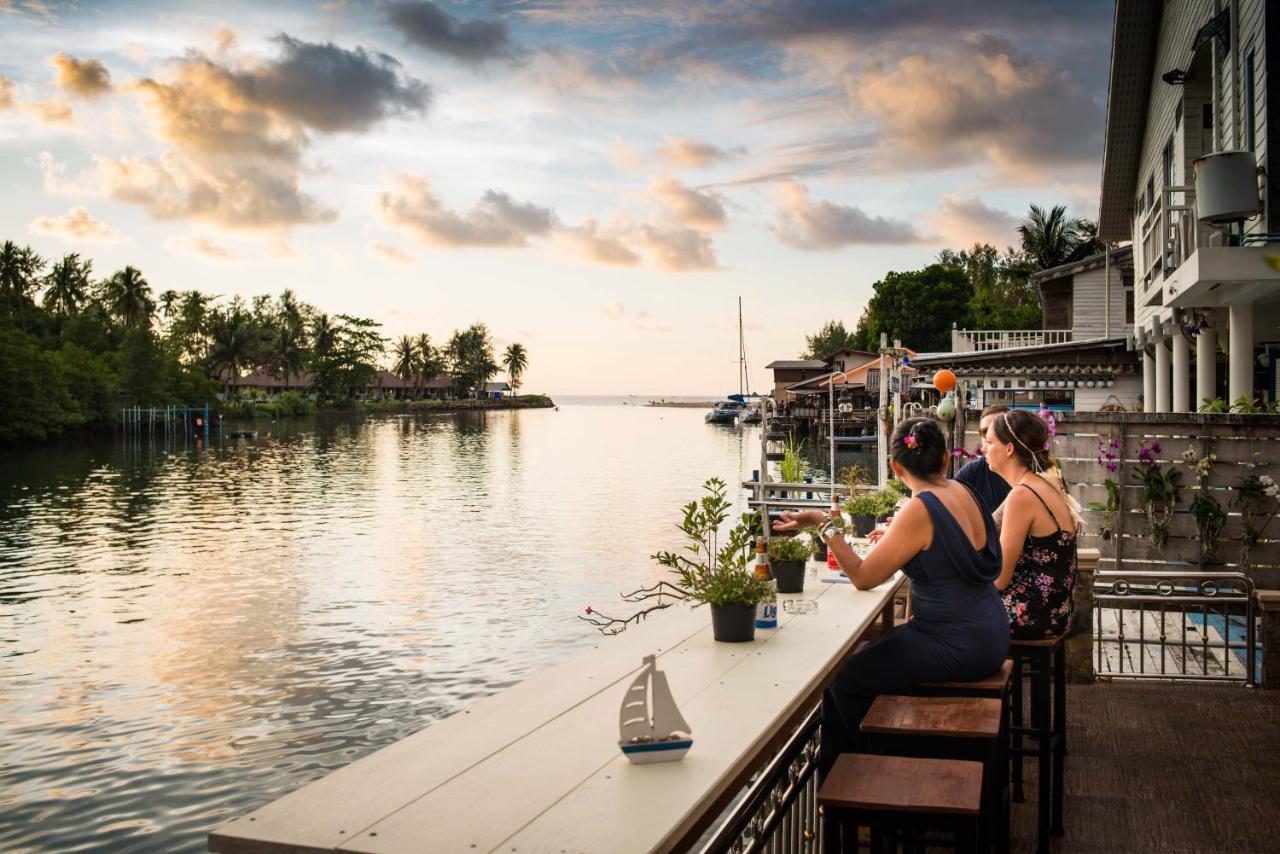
(742, 354)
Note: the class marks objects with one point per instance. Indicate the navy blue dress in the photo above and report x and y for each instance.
(959, 630)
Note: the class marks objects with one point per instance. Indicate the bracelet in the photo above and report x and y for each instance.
(829, 530)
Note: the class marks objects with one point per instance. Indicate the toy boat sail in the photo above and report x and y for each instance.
(650, 727)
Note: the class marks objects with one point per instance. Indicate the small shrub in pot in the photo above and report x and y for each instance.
(787, 558)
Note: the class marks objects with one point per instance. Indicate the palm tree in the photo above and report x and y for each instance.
(290, 309)
(19, 273)
(323, 335)
(406, 358)
(429, 366)
(128, 297)
(288, 351)
(515, 359)
(168, 300)
(234, 341)
(1052, 239)
(67, 285)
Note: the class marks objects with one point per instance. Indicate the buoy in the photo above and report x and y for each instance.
(944, 381)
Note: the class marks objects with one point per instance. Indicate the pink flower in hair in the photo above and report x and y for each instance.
(909, 440)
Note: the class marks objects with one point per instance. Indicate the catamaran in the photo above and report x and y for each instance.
(650, 727)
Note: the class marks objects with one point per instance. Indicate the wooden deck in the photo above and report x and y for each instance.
(1166, 767)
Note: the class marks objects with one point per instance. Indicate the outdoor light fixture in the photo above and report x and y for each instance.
(1174, 77)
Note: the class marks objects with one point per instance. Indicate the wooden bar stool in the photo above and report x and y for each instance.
(901, 800)
(967, 728)
(1044, 663)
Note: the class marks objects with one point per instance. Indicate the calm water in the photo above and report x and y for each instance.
(189, 634)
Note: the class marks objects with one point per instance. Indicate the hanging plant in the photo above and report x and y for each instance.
(1205, 509)
(1108, 461)
(1158, 492)
(1258, 500)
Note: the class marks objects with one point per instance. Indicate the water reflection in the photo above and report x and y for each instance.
(188, 632)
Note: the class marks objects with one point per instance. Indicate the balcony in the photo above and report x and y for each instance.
(985, 340)
(1187, 263)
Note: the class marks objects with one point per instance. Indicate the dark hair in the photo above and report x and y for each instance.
(1029, 436)
(993, 409)
(919, 447)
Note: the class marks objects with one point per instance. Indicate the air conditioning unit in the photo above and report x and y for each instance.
(1227, 187)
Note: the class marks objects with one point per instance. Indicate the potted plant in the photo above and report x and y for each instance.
(787, 557)
(1158, 492)
(715, 566)
(819, 544)
(867, 508)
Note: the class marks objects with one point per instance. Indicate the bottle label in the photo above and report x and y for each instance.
(767, 615)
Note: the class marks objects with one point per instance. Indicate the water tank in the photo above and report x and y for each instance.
(1226, 186)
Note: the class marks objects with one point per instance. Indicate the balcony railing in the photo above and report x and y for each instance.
(982, 340)
(1169, 234)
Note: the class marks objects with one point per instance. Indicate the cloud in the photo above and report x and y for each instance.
(699, 209)
(52, 111)
(688, 152)
(617, 311)
(75, 225)
(982, 100)
(624, 156)
(204, 248)
(86, 78)
(677, 249)
(428, 26)
(496, 220)
(6, 92)
(638, 319)
(600, 246)
(964, 221)
(805, 224)
(390, 254)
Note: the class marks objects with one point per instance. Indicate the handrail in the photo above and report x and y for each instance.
(983, 340)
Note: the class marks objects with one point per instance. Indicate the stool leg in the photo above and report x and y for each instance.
(831, 833)
(1016, 735)
(1044, 752)
(1059, 734)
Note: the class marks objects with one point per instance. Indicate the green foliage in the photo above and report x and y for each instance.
(1210, 520)
(878, 503)
(469, 354)
(1003, 296)
(715, 567)
(853, 476)
(791, 469)
(515, 359)
(831, 338)
(1247, 406)
(799, 547)
(917, 307)
(1051, 238)
(1158, 492)
(898, 489)
(1217, 404)
(349, 362)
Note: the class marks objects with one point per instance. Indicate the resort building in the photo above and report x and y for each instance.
(788, 372)
(1080, 359)
(1185, 177)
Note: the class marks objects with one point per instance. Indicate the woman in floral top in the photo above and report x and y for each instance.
(1038, 572)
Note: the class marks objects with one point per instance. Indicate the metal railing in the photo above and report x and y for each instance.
(1169, 234)
(779, 810)
(1160, 625)
(983, 340)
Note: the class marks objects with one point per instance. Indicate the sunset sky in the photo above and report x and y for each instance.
(598, 180)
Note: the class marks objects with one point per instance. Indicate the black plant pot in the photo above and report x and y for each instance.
(863, 525)
(789, 574)
(820, 552)
(734, 623)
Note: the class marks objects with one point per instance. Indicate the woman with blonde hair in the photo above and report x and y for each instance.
(1038, 568)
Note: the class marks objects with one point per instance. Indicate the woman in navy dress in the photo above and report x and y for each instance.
(946, 543)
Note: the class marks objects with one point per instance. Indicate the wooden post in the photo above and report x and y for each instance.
(1080, 640)
(1269, 607)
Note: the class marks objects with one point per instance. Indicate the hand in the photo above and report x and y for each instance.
(794, 521)
(874, 536)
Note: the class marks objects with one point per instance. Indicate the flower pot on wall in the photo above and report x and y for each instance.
(733, 623)
(789, 574)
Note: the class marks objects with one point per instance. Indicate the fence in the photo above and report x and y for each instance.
(1165, 582)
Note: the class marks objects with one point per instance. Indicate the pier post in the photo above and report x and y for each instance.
(1269, 608)
(1080, 640)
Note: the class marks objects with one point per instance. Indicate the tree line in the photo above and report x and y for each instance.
(75, 349)
(976, 288)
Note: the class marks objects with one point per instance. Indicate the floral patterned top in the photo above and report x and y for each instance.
(1038, 597)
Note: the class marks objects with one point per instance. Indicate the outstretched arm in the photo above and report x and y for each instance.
(910, 532)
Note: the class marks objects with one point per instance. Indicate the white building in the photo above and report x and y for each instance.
(1188, 145)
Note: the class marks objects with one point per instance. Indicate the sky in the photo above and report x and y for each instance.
(600, 181)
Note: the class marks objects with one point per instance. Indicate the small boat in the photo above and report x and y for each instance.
(650, 727)
(751, 414)
(726, 411)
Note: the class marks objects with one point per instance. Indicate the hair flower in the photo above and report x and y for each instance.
(909, 440)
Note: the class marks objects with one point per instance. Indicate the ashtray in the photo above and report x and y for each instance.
(799, 606)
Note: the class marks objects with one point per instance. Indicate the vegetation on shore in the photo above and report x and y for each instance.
(74, 350)
(976, 288)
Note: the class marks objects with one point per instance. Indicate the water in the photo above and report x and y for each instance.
(186, 635)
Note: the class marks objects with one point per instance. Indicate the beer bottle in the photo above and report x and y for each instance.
(766, 611)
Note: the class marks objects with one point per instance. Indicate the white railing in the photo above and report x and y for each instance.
(1168, 235)
(980, 340)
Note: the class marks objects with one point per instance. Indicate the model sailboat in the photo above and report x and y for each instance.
(650, 727)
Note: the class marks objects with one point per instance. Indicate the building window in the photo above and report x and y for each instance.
(1166, 163)
(1206, 117)
(1058, 399)
(1128, 305)
(1250, 105)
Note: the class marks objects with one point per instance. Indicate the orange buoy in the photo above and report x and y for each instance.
(944, 381)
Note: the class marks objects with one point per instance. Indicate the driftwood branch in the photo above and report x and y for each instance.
(613, 625)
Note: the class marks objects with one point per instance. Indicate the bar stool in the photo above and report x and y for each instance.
(901, 800)
(1045, 663)
(967, 728)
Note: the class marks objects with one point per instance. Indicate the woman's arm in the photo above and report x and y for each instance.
(909, 533)
(1019, 512)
